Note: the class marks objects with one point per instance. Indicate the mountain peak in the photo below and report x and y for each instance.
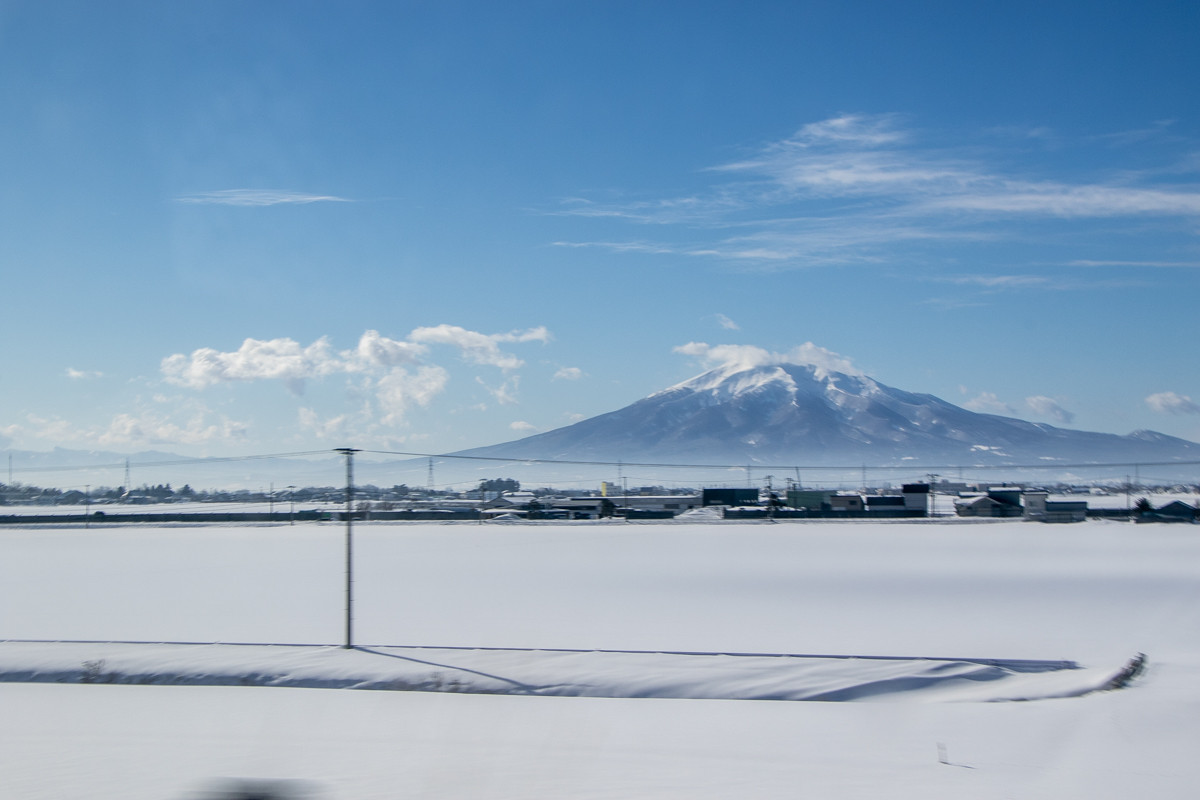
(735, 380)
(812, 407)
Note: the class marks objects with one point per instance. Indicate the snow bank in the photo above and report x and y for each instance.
(1093, 593)
(563, 673)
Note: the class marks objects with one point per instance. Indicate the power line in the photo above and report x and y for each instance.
(183, 462)
(622, 465)
(826, 467)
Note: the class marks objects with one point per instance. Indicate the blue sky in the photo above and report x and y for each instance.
(243, 228)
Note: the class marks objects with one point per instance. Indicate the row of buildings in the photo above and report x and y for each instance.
(1028, 504)
(913, 500)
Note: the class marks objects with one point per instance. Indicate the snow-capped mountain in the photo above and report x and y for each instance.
(808, 414)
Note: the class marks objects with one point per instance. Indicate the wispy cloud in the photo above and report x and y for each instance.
(398, 390)
(993, 284)
(187, 424)
(1058, 200)
(142, 429)
(568, 374)
(331, 428)
(1172, 403)
(82, 375)
(726, 323)
(989, 403)
(1162, 264)
(506, 393)
(859, 188)
(478, 347)
(1049, 407)
(257, 197)
(1000, 281)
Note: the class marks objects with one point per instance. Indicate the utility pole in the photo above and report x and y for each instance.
(624, 487)
(429, 480)
(349, 452)
(933, 494)
(625, 493)
(771, 498)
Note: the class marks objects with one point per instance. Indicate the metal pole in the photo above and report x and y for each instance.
(349, 452)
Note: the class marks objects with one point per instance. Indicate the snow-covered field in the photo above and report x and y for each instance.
(1093, 593)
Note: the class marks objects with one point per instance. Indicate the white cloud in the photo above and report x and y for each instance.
(189, 425)
(380, 350)
(1049, 407)
(1001, 281)
(398, 390)
(506, 393)
(81, 375)
(477, 347)
(864, 129)
(333, 428)
(152, 429)
(276, 359)
(726, 323)
(746, 356)
(989, 403)
(522, 427)
(257, 197)
(568, 374)
(1162, 264)
(855, 155)
(287, 360)
(731, 356)
(809, 354)
(1172, 403)
(394, 374)
(1058, 200)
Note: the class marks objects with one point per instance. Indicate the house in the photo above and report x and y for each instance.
(917, 496)
(1007, 501)
(641, 506)
(1041, 509)
(809, 498)
(985, 505)
(730, 497)
(846, 502)
(1175, 511)
(880, 503)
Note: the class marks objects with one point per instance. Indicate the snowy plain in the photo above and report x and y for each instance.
(1093, 593)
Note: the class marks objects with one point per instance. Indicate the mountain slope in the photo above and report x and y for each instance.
(807, 414)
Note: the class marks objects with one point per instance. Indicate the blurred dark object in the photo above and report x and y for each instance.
(257, 789)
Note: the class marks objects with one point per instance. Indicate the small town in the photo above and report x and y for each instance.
(503, 499)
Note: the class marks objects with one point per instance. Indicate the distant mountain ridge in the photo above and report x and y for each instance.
(783, 414)
(807, 414)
